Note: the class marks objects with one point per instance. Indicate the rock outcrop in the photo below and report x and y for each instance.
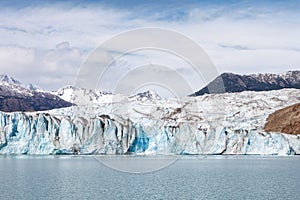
(286, 120)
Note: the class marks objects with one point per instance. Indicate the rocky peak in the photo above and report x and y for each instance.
(229, 82)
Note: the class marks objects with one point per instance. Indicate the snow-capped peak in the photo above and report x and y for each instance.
(145, 96)
(19, 97)
(82, 96)
(79, 95)
(10, 80)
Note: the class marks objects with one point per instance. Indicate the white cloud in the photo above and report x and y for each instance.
(46, 44)
(49, 68)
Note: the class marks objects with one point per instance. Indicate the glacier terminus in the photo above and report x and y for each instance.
(230, 123)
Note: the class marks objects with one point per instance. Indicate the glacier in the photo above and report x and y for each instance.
(230, 123)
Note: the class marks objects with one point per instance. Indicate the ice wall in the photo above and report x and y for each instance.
(211, 124)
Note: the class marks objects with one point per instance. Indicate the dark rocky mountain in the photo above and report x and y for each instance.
(229, 82)
(15, 96)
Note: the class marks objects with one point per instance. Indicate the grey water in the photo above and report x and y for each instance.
(189, 177)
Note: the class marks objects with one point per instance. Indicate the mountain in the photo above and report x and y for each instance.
(145, 96)
(229, 124)
(14, 96)
(82, 96)
(254, 82)
(11, 80)
(78, 95)
(8, 79)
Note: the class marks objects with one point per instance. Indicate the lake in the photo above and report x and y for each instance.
(188, 177)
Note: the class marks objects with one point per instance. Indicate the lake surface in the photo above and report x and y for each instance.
(189, 177)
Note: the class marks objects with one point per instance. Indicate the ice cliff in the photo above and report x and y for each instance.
(230, 123)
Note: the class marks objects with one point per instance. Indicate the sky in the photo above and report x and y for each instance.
(46, 42)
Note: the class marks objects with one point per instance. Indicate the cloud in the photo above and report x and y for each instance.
(50, 68)
(236, 47)
(46, 43)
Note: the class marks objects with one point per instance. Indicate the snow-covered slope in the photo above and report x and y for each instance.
(10, 80)
(230, 123)
(15, 96)
(82, 96)
(145, 96)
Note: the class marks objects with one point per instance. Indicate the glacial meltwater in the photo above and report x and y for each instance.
(189, 177)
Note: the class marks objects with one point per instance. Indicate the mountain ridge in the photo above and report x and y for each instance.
(230, 82)
(15, 96)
